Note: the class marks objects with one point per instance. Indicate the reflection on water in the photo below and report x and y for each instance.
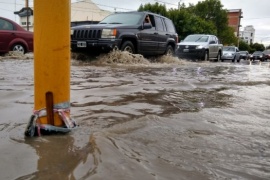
(157, 118)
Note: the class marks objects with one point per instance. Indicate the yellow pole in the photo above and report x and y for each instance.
(51, 54)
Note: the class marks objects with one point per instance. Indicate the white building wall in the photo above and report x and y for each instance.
(23, 22)
(248, 34)
(80, 11)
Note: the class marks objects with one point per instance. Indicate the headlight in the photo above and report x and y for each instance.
(199, 47)
(71, 32)
(108, 33)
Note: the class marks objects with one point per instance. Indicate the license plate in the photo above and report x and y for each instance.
(81, 44)
(185, 50)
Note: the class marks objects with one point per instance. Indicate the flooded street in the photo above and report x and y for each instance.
(165, 120)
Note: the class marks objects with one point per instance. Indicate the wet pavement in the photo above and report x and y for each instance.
(167, 119)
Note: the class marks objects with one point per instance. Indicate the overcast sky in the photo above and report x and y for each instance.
(255, 12)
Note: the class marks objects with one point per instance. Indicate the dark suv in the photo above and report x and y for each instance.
(127, 31)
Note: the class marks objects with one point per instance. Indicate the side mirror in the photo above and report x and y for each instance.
(212, 42)
(147, 25)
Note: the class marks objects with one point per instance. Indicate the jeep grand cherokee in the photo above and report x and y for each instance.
(127, 31)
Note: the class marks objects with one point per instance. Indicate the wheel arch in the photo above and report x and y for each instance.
(133, 40)
(19, 41)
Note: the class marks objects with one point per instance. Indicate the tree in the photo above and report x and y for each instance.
(206, 17)
(155, 8)
(257, 47)
(267, 47)
(243, 46)
(187, 23)
(212, 10)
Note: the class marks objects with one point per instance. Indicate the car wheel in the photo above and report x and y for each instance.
(169, 51)
(219, 57)
(238, 60)
(128, 46)
(205, 57)
(18, 48)
(234, 59)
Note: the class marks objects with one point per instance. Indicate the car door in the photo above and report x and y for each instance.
(212, 47)
(6, 35)
(162, 35)
(237, 54)
(148, 38)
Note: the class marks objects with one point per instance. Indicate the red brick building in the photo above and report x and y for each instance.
(234, 20)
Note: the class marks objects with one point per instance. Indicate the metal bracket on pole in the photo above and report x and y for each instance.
(49, 107)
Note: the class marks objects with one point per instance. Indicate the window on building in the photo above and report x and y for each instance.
(251, 34)
(24, 23)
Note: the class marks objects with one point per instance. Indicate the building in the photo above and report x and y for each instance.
(86, 12)
(82, 12)
(234, 20)
(26, 18)
(247, 35)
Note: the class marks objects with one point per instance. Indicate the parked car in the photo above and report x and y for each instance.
(257, 55)
(230, 53)
(266, 55)
(244, 55)
(200, 46)
(14, 38)
(127, 31)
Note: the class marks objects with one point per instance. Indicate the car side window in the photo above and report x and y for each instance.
(214, 39)
(151, 17)
(169, 25)
(5, 25)
(159, 24)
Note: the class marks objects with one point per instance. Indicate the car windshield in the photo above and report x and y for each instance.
(122, 18)
(196, 38)
(228, 48)
(257, 52)
(243, 52)
(266, 51)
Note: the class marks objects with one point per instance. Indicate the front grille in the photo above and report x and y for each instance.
(188, 46)
(84, 34)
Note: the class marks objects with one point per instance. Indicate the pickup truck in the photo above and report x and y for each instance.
(200, 46)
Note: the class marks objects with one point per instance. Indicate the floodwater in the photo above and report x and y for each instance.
(164, 119)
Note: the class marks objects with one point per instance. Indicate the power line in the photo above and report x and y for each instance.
(7, 10)
(114, 7)
(256, 18)
(166, 3)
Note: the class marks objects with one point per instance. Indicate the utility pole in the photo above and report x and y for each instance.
(15, 10)
(179, 4)
(27, 17)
